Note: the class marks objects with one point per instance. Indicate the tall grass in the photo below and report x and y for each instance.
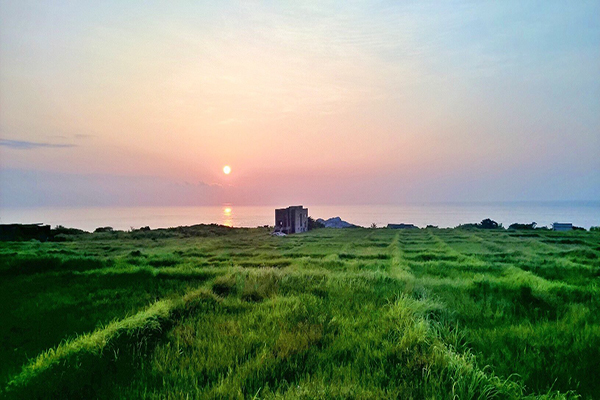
(363, 313)
(84, 365)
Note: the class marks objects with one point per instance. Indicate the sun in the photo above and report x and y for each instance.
(227, 170)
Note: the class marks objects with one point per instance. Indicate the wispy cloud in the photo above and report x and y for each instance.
(26, 145)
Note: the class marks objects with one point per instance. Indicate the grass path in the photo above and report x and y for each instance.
(399, 268)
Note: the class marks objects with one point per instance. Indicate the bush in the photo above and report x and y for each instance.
(485, 224)
(488, 224)
(312, 224)
(516, 226)
(61, 230)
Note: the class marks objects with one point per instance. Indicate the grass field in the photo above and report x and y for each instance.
(213, 312)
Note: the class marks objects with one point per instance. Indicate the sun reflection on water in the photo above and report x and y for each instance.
(227, 216)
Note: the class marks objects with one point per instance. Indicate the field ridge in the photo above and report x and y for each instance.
(70, 367)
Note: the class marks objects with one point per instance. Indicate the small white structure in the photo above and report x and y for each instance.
(562, 226)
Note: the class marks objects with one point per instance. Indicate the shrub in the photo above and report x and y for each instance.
(530, 226)
(61, 230)
(488, 224)
(313, 224)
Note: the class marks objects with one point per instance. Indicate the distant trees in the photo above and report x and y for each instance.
(525, 227)
(488, 224)
(484, 224)
(62, 230)
(312, 224)
(467, 226)
(62, 234)
(104, 229)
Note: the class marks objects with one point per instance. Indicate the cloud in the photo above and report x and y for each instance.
(25, 145)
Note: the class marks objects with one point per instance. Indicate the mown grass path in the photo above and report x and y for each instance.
(399, 269)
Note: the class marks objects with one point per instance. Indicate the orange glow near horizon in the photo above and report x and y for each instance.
(227, 218)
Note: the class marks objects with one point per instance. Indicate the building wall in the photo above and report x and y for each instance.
(301, 220)
(293, 219)
(17, 232)
(401, 226)
(282, 220)
(562, 227)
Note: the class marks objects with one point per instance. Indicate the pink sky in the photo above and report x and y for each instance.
(336, 103)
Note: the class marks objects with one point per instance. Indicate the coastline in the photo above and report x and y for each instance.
(443, 215)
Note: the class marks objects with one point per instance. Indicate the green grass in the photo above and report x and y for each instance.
(86, 364)
(212, 312)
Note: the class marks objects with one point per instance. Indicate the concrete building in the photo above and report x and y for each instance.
(562, 227)
(293, 219)
(18, 232)
(401, 226)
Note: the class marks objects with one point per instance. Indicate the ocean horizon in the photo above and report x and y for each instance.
(444, 215)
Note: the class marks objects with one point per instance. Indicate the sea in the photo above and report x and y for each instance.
(443, 215)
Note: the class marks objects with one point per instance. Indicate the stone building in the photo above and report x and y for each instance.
(293, 219)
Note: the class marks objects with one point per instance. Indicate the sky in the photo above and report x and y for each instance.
(142, 103)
